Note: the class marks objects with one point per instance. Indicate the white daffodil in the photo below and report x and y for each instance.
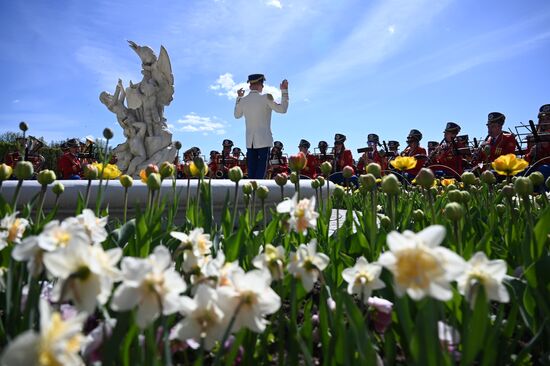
(363, 278)
(271, 259)
(151, 284)
(419, 265)
(250, 299)
(197, 241)
(12, 229)
(86, 274)
(94, 226)
(58, 342)
(487, 273)
(203, 318)
(59, 235)
(302, 214)
(306, 264)
(29, 251)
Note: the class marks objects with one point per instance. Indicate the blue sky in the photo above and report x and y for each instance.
(354, 66)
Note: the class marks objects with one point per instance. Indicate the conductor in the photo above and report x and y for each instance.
(256, 108)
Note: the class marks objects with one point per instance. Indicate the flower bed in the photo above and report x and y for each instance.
(437, 273)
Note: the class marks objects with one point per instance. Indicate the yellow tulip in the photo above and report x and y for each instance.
(143, 175)
(448, 181)
(403, 163)
(195, 170)
(110, 171)
(509, 165)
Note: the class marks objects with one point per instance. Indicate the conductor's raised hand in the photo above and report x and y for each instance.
(284, 84)
(240, 92)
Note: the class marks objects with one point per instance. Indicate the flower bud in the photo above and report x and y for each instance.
(465, 196)
(508, 191)
(199, 163)
(326, 168)
(347, 172)
(368, 181)
(90, 172)
(385, 222)
(297, 162)
(501, 209)
(425, 178)
(314, 184)
(151, 168)
(58, 188)
(454, 195)
(126, 181)
(262, 192)
(247, 188)
(177, 145)
(24, 170)
(321, 180)
(167, 170)
(468, 178)
(23, 126)
(153, 181)
(454, 211)
(254, 185)
(45, 177)
(523, 186)
(294, 178)
(235, 174)
(5, 172)
(488, 177)
(281, 179)
(374, 169)
(390, 184)
(537, 178)
(108, 133)
(451, 187)
(338, 192)
(434, 191)
(418, 215)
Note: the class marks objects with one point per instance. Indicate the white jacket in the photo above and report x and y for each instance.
(256, 109)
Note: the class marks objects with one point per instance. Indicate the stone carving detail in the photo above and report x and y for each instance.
(148, 140)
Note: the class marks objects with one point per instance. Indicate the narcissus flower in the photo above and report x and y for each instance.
(203, 318)
(272, 259)
(509, 165)
(487, 273)
(363, 278)
(302, 214)
(12, 229)
(403, 162)
(419, 265)
(306, 264)
(58, 342)
(251, 298)
(152, 284)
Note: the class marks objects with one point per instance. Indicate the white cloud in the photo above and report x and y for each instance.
(391, 29)
(274, 3)
(15, 101)
(192, 122)
(226, 86)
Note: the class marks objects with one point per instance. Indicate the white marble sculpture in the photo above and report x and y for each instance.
(148, 140)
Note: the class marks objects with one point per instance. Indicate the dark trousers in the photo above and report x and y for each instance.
(257, 162)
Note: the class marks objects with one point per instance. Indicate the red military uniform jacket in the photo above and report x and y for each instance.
(11, 159)
(413, 152)
(539, 151)
(311, 167)
(69, 165)
(277, 165)
(447, 156)
(344, 159)
(503, 144)
(376, 158)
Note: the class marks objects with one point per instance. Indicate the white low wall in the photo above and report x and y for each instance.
(113, 195)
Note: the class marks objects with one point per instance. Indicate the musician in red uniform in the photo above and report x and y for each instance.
(414, 149)
(213, 163)
(447, 153)
(540, 149)
(277, 163)
(68, 164)
(323, 156)
(498, 142)
(373, 156)
(393, 146)
(342, 156)
(311, 167)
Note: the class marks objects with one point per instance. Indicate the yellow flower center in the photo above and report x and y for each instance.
(63, 238)
(416, 268)
(13, 230)
(48, 351)
(363, 278)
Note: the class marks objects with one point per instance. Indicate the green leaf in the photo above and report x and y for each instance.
(542, 231)
(475, 328)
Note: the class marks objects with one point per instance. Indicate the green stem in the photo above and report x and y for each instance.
(235, 196)
(40, 204)
(125, 203)
(16, 195)
(88, 188)
(373, 228)
(226, 334)
(458, 237)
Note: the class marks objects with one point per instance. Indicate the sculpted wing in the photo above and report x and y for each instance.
(162, 73)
